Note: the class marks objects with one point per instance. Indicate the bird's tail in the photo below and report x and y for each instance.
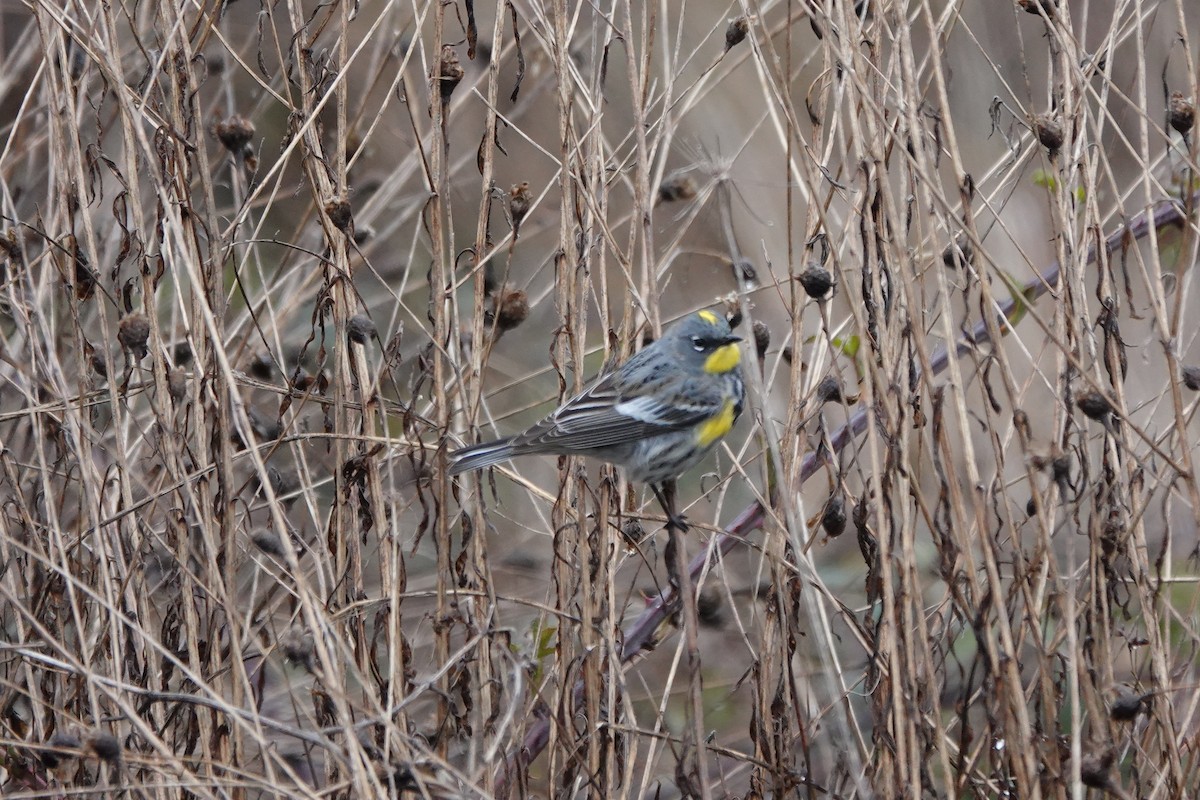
(480, 455)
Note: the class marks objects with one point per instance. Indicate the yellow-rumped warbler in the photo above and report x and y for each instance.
(655, 416)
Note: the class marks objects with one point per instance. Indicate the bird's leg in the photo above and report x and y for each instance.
(666, 498)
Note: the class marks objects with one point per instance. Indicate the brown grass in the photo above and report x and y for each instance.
(263, 265)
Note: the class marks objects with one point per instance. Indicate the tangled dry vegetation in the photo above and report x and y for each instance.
(263, 264)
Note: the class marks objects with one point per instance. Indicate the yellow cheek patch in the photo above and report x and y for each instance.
(723, 359)
(716, 427)
(708, 317)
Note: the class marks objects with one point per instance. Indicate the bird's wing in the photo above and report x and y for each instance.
(605, 416)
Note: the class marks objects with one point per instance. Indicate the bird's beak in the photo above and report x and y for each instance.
(732, 339)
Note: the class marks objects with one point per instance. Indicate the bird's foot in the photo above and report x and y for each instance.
(666, 499)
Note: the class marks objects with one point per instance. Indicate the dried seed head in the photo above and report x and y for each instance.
(85, 277)
(1181, 113)
(1094, 406)
(1191, 378)
(817, 282)
(1049, 132)
(735, 34)
(450, 72)
(177, 384)
(360, 328)
(733, 310)
(745, 271)
(105, 746)
(1126, 705)
(1060, 468)
(54, 753)
(519, 201)
(677, 187)
(10, 246)
(508, 309)
(710, 607)
(1031, 507)
(829, 390)
(98, 359)
(234, 133)
(633, 532)
(297, 646)
(762, 339)
(1047, 7)
(959, 253)
(1112, 537)
(269, 542)
(262, 367)
(490, 281)
(340, 214)
(1095, 769)
(133, 333)
(833, 518)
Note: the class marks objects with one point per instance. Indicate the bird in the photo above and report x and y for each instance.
(655, 416)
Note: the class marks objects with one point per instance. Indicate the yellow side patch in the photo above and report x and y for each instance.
(708, 317)
(717, 426)
(723, 359)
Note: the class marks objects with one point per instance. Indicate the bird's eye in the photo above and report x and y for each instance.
(699, 344)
